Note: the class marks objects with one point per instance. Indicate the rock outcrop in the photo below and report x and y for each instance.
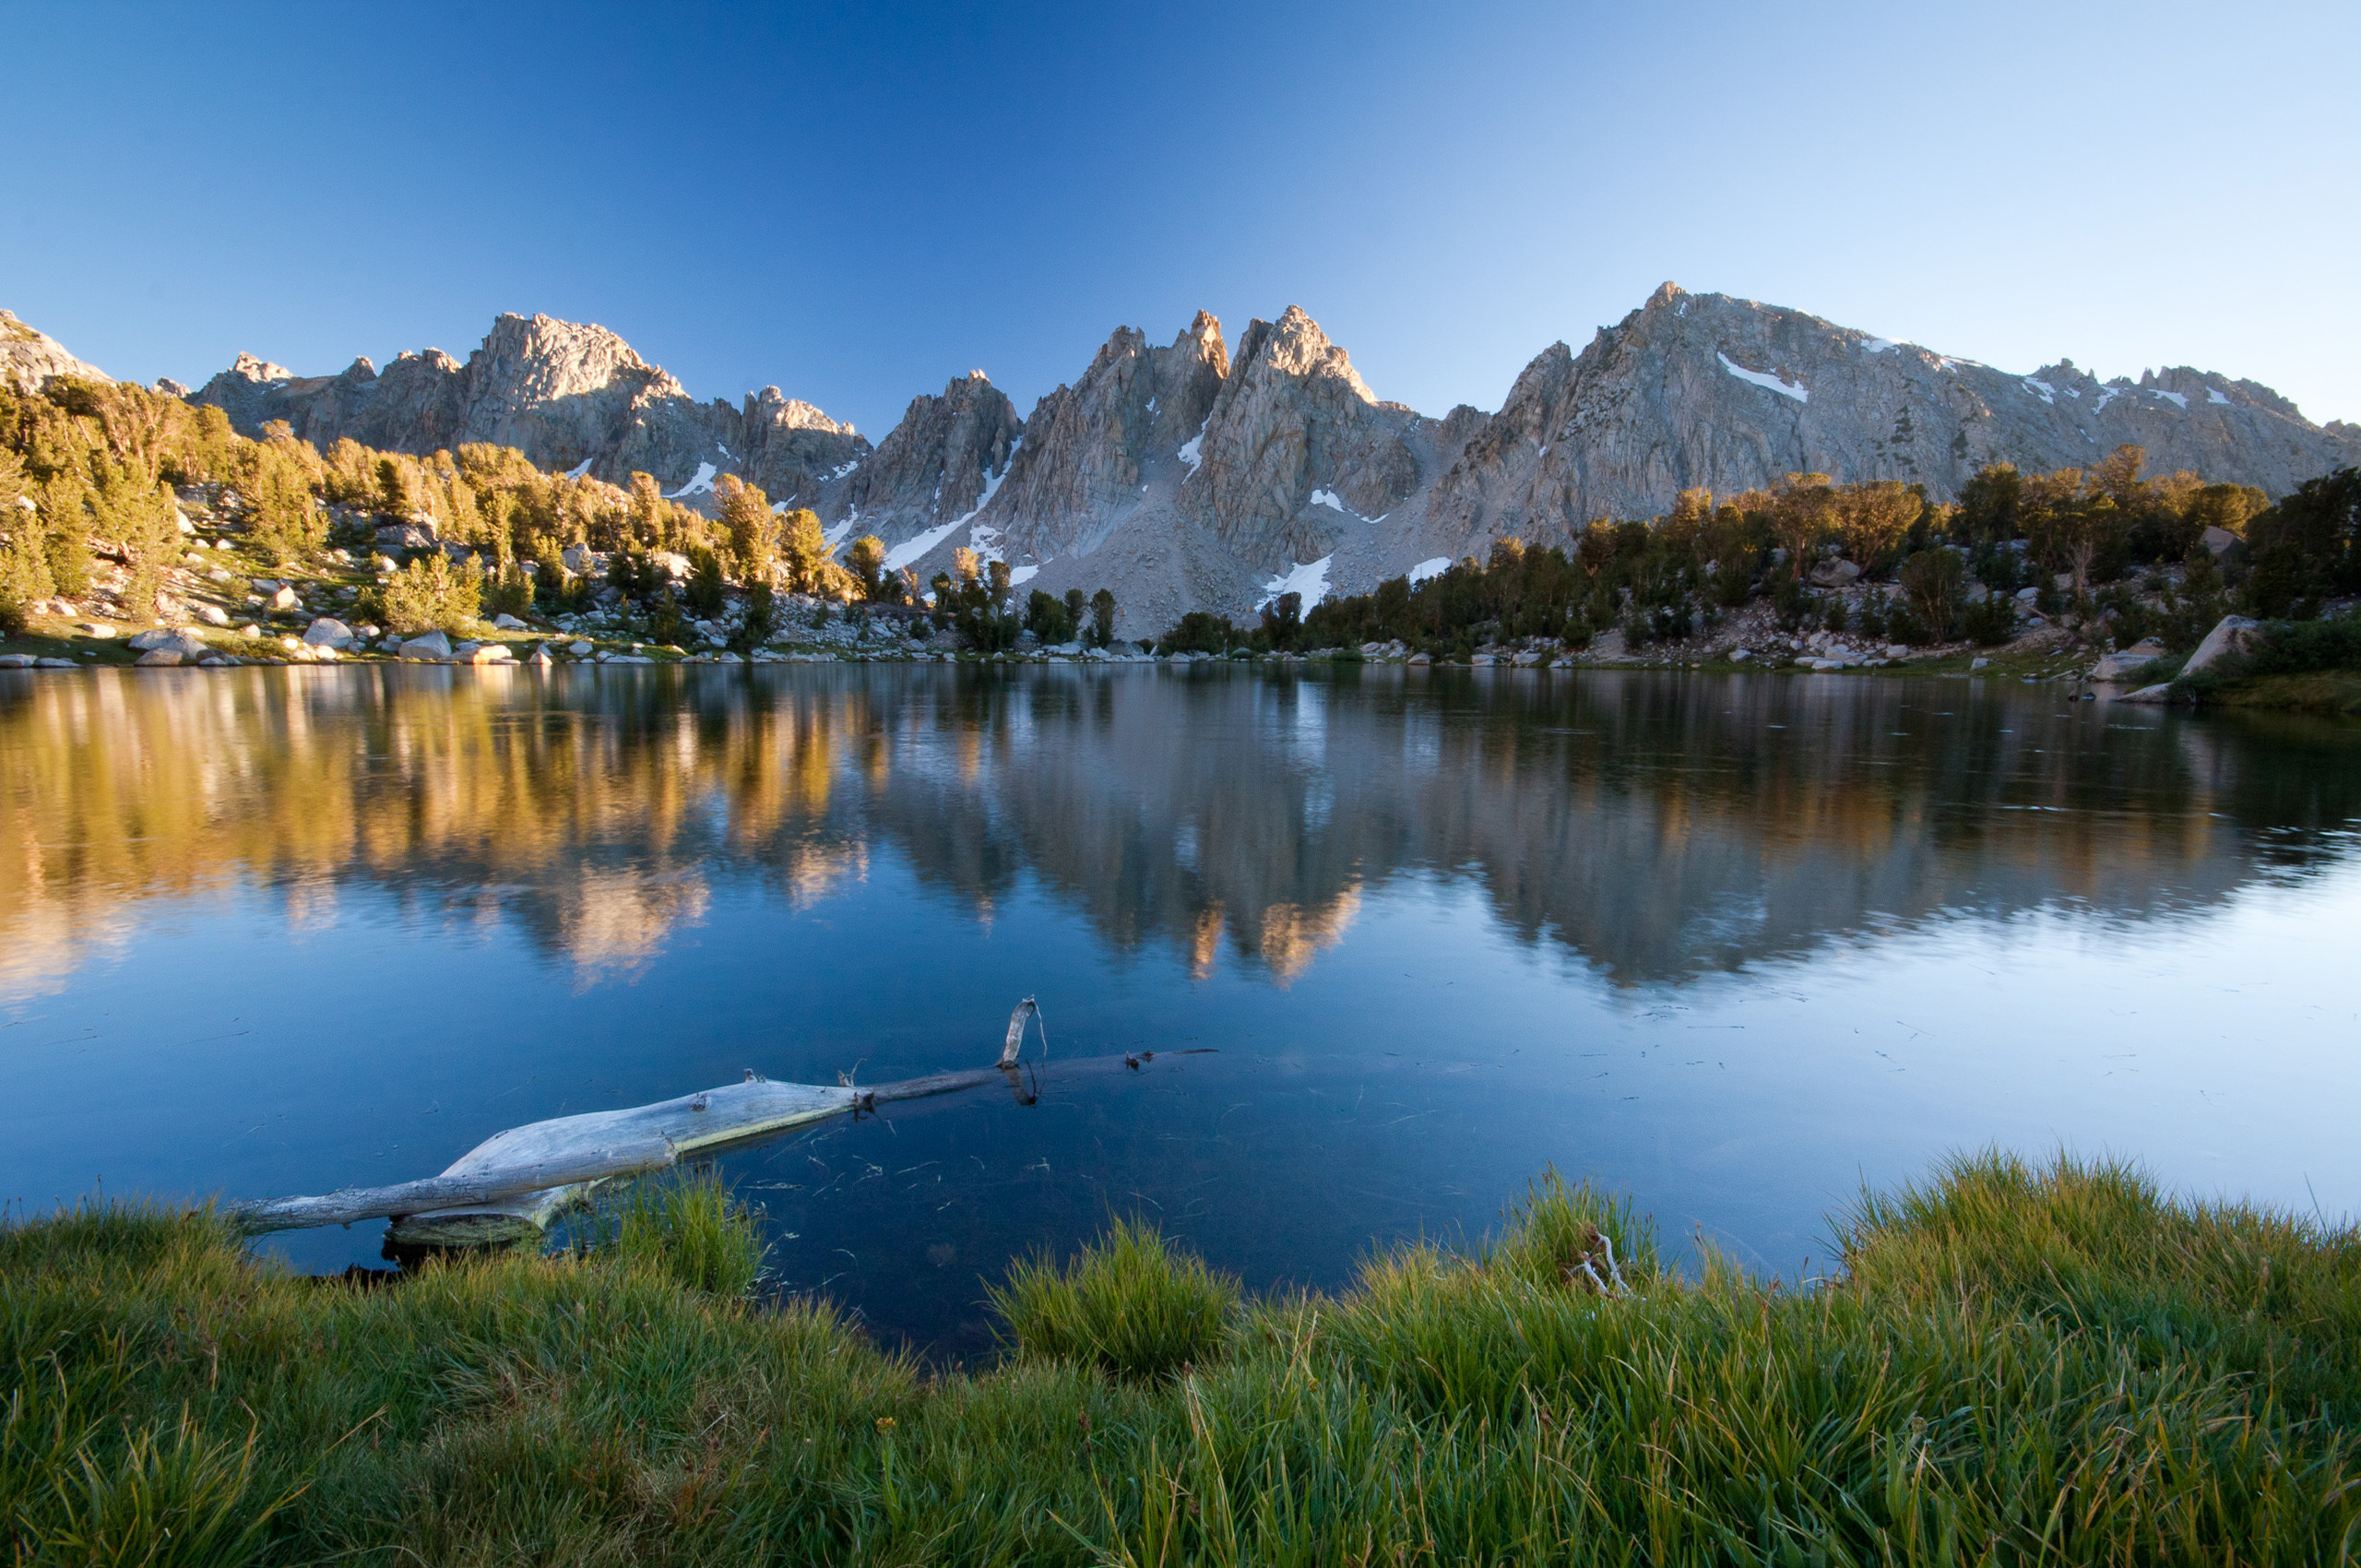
(29, 357)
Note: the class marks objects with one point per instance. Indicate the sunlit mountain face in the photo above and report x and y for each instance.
(1728, 943)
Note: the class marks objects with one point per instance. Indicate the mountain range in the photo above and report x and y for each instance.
(1185, 476)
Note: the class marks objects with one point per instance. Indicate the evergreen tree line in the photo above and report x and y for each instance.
(2091, 542)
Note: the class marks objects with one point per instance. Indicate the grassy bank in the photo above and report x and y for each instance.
(2017, 1365)
(2318, 691)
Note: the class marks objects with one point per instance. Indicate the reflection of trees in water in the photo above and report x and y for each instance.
(1659, 826)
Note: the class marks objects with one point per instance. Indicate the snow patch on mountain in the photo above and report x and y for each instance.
(1766, 379)
(1309, 579)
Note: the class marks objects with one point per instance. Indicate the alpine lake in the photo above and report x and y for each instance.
(1385, 945)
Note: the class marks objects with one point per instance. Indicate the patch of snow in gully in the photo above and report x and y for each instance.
(1192, 451)
(1433, 567)
(579, 469)
(910, 549)
(701, 486)
(1765, 379)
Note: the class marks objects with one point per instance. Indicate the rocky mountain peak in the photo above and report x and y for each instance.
(1294, 346)
(1094, 449)
(775, 407)
(1706, 391)
(1667, 293)
(246, 367)
(1205, 333)
(532, 359)
(939, 464)
(1295, 448)
(571, 395)
(30, 357)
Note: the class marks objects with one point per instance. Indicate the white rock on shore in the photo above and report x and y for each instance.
(2232, 634)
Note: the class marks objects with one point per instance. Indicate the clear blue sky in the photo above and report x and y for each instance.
(859, 203)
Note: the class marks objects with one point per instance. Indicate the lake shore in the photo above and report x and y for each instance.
(2058, 1363)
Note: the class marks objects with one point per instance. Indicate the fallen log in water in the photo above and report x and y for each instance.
(511, 1186)
(344, 1206)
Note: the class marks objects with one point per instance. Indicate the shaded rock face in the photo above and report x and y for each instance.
(572, 398)
(1293, 422)
(938, 466)
(1090, 448)
(1727, 394)
(29, 357)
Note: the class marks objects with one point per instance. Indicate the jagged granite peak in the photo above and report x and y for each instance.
(1296, 450)
(572, 397)
(29, 357)
(934, 469)
(1729, 394)
(1090, 447)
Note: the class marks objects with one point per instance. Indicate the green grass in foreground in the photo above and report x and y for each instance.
(2019, 1366)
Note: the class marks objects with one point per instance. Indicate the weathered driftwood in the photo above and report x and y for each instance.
(511, 1186)
(442, 1191)
(732, 1113)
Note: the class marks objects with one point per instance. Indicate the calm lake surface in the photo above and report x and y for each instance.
(1733, 945)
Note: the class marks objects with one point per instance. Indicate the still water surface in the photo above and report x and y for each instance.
(1734, 946)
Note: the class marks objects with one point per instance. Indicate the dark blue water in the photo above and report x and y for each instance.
(1734, 946)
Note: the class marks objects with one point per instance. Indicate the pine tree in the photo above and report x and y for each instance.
(393, 487)
(1873, 517)
(135, 513)
(1801, 509)
(2119, 475)
(866, 559)
(649, 512)
(24, 565)
(805, 551)
(277, 485)
(747, 513)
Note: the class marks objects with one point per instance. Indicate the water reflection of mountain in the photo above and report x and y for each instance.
(1659, 827)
